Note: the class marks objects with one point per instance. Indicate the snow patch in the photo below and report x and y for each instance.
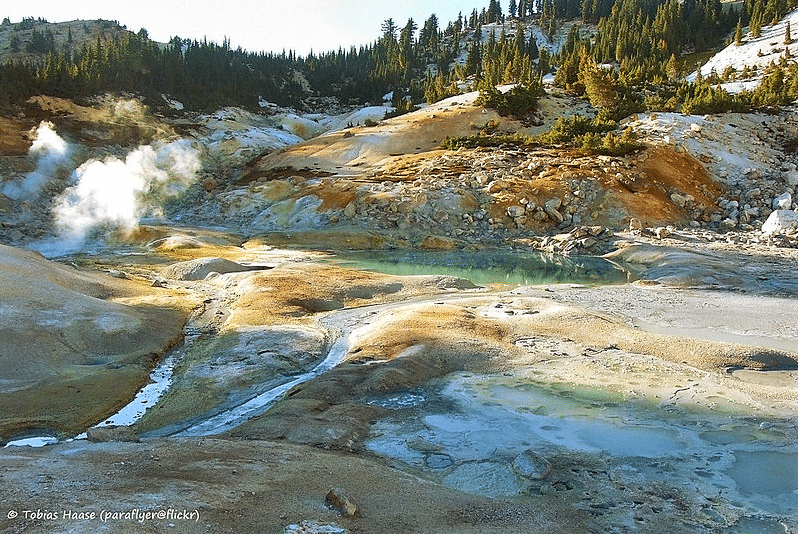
(753, 52)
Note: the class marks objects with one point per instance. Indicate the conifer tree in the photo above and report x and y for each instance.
(598, 84)
(738, 33)
(389, 29)
(673, 68)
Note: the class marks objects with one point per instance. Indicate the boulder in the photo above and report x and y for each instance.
(515, 211)
(779, 220)
(678, 200)
(551, 209)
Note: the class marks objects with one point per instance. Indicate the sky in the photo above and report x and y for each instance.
(255, 25)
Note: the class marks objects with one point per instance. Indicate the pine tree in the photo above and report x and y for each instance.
(389, 29)
(673, 68)
(598, 84)
(738, 33)
(523, 8)
(551, 26)
(788, 39)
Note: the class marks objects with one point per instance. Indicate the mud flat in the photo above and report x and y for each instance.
(453, 408)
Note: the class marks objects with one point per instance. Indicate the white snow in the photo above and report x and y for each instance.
(356, 118)
(730, 145)
(753, 52)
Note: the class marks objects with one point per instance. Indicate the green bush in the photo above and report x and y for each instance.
(568, 129)
(575, 131)
(520, 100)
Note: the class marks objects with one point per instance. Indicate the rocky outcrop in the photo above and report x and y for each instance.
(200, 268)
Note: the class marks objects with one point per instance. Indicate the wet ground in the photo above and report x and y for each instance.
(454, 407)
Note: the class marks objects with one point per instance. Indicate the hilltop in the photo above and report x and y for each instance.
(30, 40)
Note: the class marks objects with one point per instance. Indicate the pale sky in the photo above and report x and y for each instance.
(265, 25)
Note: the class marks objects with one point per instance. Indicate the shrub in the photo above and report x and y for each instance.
(520, 100)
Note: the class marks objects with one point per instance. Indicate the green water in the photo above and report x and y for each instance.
(489, 267)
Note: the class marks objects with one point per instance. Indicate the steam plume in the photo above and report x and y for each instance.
(118, 193)
(51, 152)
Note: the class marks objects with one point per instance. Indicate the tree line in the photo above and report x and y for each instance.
(645, 42)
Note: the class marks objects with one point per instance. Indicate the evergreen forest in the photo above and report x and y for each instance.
(624, 56)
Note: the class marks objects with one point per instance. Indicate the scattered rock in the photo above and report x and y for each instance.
(782, 202)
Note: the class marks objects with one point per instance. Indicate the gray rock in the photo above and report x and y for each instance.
(530, 465)
(515, 211)
(779, 220)
(551, 209)
(728, 224)
(782, 202)
(678, 200)
(554, 203)
(662, 232)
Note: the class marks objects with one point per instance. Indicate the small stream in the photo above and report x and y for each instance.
(232, 417)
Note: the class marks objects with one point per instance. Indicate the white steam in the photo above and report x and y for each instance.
(51, 152)
(118, 193)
